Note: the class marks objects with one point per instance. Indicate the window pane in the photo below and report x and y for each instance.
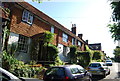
(27, 17)
(22, 44)
(65, 37)
(79, 43)
(52, 29)
(73, 41)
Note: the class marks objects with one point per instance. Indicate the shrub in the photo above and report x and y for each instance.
(57, 62)
(18, 68)
(52, 52)
(73, 54)
(97, 55)
(84, 58)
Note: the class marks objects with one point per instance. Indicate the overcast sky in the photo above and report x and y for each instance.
(90, 16)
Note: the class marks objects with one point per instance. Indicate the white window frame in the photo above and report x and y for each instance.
(65, 37)
(23, 44)
(52, 29)
(27, 17)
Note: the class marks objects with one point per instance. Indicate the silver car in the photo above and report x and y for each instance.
(98, 68)
(7, 76)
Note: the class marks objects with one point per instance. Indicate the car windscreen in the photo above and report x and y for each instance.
(95, 65)
(56, 71)
(108, 61)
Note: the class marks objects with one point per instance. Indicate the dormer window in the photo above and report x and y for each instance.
(27, 17)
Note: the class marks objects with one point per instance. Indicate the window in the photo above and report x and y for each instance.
(59, 72)
(4, 77)
(22, 44)
(79, 43)
(75, 70)
(52, 29)
(65, 37)
(27, 17)
(73, 41)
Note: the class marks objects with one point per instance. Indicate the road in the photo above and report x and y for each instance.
(113, 76)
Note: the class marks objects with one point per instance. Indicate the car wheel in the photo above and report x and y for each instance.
(90, 79)
(104, 75)
(109, 72)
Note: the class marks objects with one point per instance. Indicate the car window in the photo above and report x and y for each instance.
(56, 71)
(74, 70)
(4, 77)
(95, 65)
(104, 64)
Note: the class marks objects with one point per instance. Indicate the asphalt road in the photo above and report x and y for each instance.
(113, 76)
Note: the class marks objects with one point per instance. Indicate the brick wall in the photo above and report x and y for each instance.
(38, 26)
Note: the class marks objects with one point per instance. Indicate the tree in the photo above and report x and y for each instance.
(115, 27)
(117, 54)
(115, 30)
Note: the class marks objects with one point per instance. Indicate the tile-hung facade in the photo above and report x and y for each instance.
(28, 24)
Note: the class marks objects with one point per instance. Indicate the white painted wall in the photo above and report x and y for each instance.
(60, 54)
(119, 43)
(13, 39)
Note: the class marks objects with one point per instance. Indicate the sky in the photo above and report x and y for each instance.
(90, 16)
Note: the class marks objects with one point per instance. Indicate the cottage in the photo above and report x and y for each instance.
(27, 26)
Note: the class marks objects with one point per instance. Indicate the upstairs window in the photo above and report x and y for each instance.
(79, 43)
(65, 37)
(73, 41)
(23, 44)
(52, 29)
(27, 17)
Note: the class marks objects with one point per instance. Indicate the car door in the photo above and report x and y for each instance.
(84, 73)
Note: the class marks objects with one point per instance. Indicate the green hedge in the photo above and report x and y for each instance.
(84, 58)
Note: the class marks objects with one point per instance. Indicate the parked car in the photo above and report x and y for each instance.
(98, 68)
(67, 73)
(7, 76)
(109, 62)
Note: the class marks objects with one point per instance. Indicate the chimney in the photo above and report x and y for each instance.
(87, 41)
(80, 36)
(73, 29)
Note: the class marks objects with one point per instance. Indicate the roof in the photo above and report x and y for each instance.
(47, 19)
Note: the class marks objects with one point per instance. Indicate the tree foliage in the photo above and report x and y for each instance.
(117, 51)
(117, 54)
(73, 54)
(48, 37)
(116, 11)
(84, 58)
(52, 52)
(115, 27)
(115, 30)
(97, 55)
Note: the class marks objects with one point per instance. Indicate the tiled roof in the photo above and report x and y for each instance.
(47, 19)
